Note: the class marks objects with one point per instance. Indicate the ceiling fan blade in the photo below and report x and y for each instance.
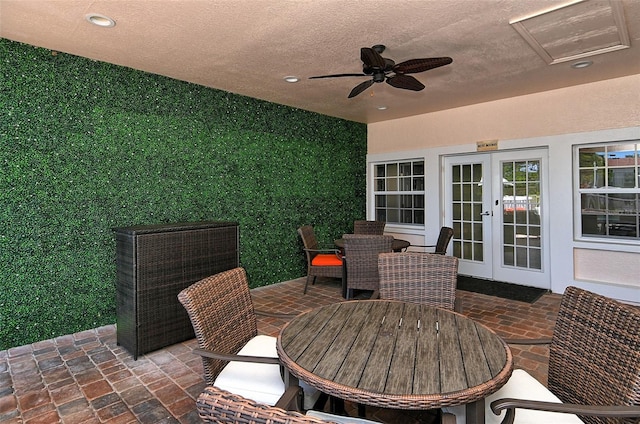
(406, 82)
(414, 66)
(339, 75)
(372, 58)
(360, 88)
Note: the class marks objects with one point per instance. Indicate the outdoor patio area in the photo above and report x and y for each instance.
(87, 378)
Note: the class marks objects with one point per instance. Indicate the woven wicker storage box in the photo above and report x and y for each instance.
(154, 263)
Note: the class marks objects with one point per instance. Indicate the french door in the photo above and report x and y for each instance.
(496, 204)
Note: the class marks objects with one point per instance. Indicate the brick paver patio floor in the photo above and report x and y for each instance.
(87, 378)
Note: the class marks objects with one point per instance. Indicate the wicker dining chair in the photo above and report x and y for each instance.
(222, 407)
(234, 356)
(372, 228)
(419, 278)
(361, 260)
(440, 248)
(320, 262)
(594, 369)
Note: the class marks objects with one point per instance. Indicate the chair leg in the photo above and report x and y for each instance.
(336, 406)
(313, 281)
(321, 402)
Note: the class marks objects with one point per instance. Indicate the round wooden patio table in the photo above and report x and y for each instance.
(396, 355)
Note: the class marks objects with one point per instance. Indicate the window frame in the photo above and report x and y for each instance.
(394, 186)
(586, 188)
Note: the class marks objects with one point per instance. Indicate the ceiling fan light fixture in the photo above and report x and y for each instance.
(581, 64)
(100, 20)
(291, 79)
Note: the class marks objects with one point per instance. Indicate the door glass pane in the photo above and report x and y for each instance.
(521, 214)
(467, 211)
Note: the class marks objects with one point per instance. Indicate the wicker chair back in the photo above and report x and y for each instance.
(361, 257)
(373, 228)
(419, 278)
(446, 233)
(308, 237)
(594, 356)
(222, 315)
(222, 407)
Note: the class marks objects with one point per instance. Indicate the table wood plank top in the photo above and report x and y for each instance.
(394, 354)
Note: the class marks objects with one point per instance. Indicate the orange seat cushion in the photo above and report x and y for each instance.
(326, 259)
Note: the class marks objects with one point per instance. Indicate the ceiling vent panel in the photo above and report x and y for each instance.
(576, 30)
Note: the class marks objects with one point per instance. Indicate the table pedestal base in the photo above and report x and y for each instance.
(475, 412)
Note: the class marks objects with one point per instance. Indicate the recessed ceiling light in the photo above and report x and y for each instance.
(382, 108)
(582, 64)
(100, 20)
(291, 79)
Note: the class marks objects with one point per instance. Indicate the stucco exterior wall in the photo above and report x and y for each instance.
(602, 105)
(554, 120)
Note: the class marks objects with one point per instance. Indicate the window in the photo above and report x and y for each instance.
(399, 192)
(609, 190)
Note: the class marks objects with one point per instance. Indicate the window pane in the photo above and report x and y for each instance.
(407, 177)
(418, 217)
(405, 168)
(522, 259)
(457, 248)
(623, 226)
(622, 204)
(477, 211)
(466, 173)
(478, 252)
(418, 168)
(466, 211)
(455, 177)
(608, 185)
(621, 155)
(418, 184)
(592, 156)
(477, 232)
(508, 256)
(457, 192)
(457, 211)
(477, 173)
(535, 258)
(407, 216)
(393, 215)
(392, 170)
(418, 201)
(466, 192)
(392, 184)
(622, 177)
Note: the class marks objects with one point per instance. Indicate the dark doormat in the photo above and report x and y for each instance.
(500, 289)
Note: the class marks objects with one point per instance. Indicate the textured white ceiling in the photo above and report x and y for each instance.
(249, 46)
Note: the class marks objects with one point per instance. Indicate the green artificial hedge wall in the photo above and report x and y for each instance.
(87, 146)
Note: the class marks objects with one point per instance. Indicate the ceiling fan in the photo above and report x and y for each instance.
(383, 69)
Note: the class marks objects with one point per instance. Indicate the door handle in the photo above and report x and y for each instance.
(485, 213)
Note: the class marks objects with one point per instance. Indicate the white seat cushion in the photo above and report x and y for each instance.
(520, 386)
(338, 418)
(259, 382)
